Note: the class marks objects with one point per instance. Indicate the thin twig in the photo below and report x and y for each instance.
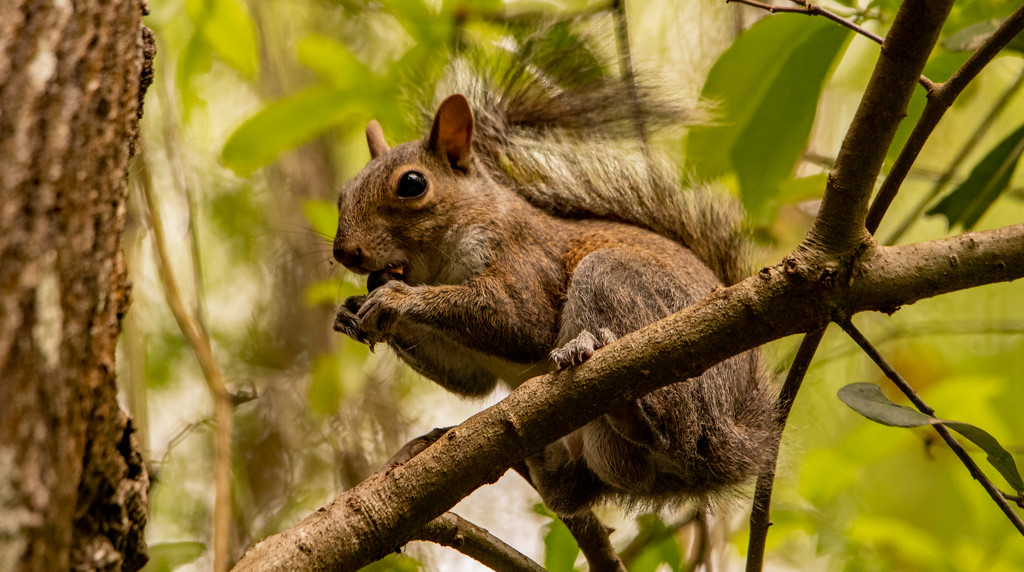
(815, 10)
(925, 329)
(592, 536)
(199, 341)
(455, 532)
(702, 553)
(940, 99)
(760, 516)
(976, 136)
(621, 25)
(1017, 498)
(811, 10)
(179, 176)
(945, 433)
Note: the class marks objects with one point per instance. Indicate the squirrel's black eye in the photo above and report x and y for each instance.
(412, 185)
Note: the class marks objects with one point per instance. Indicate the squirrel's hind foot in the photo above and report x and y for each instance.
(580, 348)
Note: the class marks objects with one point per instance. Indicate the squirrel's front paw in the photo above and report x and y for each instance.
(379, 312)
(346, 321)
(581, 348)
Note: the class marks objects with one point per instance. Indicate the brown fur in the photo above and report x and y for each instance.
(479, 283)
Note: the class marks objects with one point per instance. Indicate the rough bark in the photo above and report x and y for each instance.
(73, 488)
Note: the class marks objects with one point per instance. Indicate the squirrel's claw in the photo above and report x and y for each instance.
(579, 349)
(378, 313)
(346, 321)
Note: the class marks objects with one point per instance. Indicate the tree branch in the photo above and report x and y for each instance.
(908, 44)
(888, 191)
(760, 515)
(945, 433)
(592, 536)
(939, 101)
(453, 531)
(801, 294)
(849, 187)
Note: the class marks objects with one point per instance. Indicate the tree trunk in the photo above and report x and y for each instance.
(73, 488)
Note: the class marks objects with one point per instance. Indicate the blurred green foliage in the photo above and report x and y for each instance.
(765, 91)
(257, 116)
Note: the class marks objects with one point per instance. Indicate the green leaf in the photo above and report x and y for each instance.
(393, 563)
(802, 188)
(998, 457)
(980, 13)
(167, 556)
(655, 554)
(194, 60)
(868, 400)
(970, 37)
(284, 124)
(334, 63)
(560, 548)
(988, 179)
(225, 26)
(422, 23)
(323, 215)
(766, 88)
(561, 42)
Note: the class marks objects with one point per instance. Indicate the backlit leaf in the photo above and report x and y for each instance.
(765, 90)
(225, 26)
(662, 548)
(560, 548)
(333, 62)
(284, 124)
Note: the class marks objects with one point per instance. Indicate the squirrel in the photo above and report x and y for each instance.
(524, 233)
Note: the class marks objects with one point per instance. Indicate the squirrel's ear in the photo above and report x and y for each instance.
(375, 139)
(452, 133)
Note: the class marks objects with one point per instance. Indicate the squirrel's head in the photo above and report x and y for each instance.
(400, 215)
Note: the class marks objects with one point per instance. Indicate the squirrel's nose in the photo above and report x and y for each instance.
(348, 254)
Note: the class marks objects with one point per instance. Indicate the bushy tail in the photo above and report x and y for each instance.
(574, 149)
